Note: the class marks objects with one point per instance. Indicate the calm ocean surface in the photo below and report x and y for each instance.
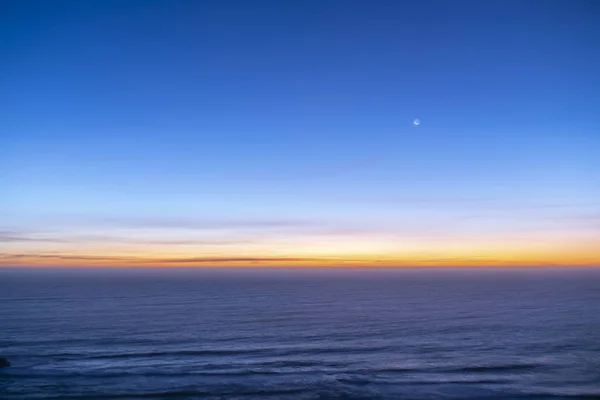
(300, 334)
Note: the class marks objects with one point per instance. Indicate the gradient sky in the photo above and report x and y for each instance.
(198, 133)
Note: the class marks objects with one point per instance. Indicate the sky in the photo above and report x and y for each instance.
(280, 133)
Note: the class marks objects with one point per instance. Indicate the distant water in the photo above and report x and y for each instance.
(300, 334)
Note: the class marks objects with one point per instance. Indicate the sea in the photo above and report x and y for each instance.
(300, 334)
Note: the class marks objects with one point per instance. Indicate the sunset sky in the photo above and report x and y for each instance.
(280, 133)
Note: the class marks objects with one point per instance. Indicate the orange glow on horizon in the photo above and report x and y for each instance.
(480, 259)
(336, 251)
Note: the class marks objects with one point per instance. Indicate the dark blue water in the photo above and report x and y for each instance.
(300, 334)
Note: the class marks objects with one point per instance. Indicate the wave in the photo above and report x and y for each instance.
(278, 352)
(330, 350)
(152, 354)
(171, 394)
(492, 368)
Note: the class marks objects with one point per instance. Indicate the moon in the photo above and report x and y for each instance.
(416, 122)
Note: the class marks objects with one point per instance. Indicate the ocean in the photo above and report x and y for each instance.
(300, 334)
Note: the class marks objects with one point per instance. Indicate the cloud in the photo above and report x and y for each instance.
(83, 260)
(558, 219)
(232, 259)
(17, 236)
(166, 237)
(6, 258)
(31, 237)
(210, 232)
(199, 224)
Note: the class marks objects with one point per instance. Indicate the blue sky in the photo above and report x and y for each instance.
(299, 112)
